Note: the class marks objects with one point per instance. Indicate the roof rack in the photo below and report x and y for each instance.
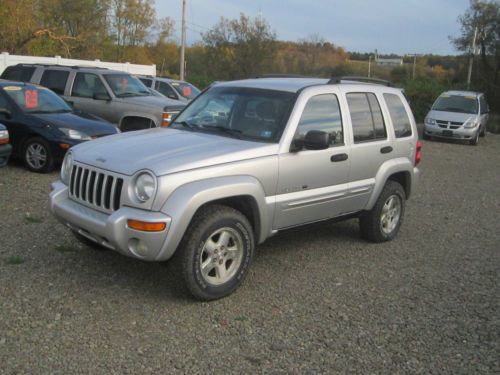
(336, 80)
(62, 66)
(278, 75)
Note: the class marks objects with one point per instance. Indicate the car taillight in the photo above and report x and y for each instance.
(418, 156)
(4, 137)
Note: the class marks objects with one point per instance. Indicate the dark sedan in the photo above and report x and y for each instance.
(5, 148)
(42, 126)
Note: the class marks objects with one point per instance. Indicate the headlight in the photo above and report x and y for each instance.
(470, 123)
(66, 167)
(145, 186)
(75, 134)
(430, 121)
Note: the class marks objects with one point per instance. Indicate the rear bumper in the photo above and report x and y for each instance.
(5, 151)
(110, 231)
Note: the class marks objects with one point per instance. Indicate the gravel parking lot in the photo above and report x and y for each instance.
(318, 300)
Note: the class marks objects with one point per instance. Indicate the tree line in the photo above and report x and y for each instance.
(130, 30)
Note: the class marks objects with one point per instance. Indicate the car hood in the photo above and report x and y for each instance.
(77, 121)
(450, 116)
(153, 101)
(165, 151)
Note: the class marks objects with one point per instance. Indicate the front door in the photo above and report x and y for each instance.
(312, 183)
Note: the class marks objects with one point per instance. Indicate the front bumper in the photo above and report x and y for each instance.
(110, 231)
(460, 133)
(5, 151)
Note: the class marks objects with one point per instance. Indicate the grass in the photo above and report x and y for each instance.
(15, 259)
(32, 219)
(64, 248)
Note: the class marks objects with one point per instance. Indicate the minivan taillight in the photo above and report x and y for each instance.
(418, 156)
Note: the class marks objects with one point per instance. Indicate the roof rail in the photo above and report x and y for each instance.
(278, 75)
(336, 80)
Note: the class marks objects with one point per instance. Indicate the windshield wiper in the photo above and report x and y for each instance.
(186, 124)
(233, 132)
(126, 94)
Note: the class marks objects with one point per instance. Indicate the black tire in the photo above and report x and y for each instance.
(194, 247)
(370, 223)
(426, 137)
(89, 243)
(474, 141)
(37, 155)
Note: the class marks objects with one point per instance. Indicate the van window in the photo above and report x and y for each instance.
(366, 117)
(18, 73)
(55, 80)
(399, 116)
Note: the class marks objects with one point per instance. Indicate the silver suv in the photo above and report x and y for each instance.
(461, 115)
(112, 95)
(171, 88)
(244, 161)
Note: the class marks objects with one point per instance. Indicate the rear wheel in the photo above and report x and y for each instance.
(37, 155)
(216, 252)
(383, 221)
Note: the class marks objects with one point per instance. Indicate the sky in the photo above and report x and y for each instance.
(390, 26)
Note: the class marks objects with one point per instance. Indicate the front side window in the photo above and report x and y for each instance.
(366, 117)
(165, 89)
(124, 85)
(88, 85)
(456, 103)
(185, 89)
(55, 80)
(245, 113)
(36, 99)
(399, 116)
(322, 112)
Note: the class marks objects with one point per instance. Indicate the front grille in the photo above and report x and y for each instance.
(95, 188)
(449, 124)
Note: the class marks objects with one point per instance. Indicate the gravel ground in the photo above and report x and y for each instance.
(319, 300)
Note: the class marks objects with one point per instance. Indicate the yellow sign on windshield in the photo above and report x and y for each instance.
(12, 88)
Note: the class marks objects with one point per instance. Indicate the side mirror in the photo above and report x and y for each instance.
(172, 96)
(101, 96)
(314, 140)
(5, 113)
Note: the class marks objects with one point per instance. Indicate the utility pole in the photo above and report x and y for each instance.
(183, 40)
(471, 58)
(414, 64)
(369, 66)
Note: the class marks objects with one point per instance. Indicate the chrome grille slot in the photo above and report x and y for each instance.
(94, 188)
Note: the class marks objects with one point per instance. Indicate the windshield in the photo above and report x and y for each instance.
(250, 114)
(185, 89)
(36, 99)
(124, 85)
(456, 103)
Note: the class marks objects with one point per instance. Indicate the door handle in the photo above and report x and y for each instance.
(386, 149)
(339, 157)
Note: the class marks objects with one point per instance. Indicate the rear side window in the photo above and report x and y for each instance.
(55, 80)
(366, 116)
(18, 73)
(322, 112)
(165, 89)
(86, 85)
(399, 116)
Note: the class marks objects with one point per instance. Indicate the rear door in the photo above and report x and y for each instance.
(313, 183)
(371, 145)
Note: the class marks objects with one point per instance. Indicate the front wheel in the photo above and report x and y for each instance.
(37, 155)
(383, 221)
(216, 252)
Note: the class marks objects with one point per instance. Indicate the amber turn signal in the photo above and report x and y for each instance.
(146, 227)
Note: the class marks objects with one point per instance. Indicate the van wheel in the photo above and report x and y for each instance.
(474, 141)
(37, 155)
(383, 221)
(216, 251)
(483, 132)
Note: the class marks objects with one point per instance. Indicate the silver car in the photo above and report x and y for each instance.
(244, 161)
(459, 115)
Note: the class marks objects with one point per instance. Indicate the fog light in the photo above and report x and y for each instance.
(138, 247)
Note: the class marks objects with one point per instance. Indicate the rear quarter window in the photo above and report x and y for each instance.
(18, 73)
(399, 116)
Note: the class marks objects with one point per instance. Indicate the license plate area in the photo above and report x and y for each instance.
(447, 133)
